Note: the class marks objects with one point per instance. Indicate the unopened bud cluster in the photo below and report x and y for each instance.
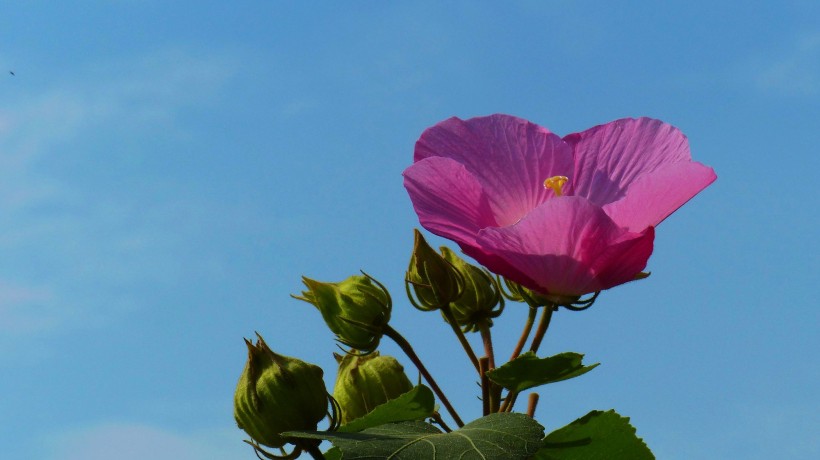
(445, 281)
(481, 300)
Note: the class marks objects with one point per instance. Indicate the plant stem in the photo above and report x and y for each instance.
(485, 385)
(493, 389)
(314, 452)
(546, 316)
(525, 334)
(531, 405)
(440, 421)
(408, 350)
(448, 314)
(487, 338)
(509, 401)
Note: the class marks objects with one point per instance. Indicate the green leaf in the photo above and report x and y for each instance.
(595, 436)
(333, 454)
(416, 404)
(528, 370)
(506, 436)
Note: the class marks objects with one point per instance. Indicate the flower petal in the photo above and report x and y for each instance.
(510, 157)
(569, 246)
(448, 199)
(609, 157)
(654, 196)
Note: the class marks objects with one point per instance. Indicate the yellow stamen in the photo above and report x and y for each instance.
(556, 183)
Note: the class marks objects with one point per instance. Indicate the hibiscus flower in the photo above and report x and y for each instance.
(562, 216)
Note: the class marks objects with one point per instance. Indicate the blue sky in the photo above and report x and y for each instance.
(169, 170)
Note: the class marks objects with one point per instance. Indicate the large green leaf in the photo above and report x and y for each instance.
(595, 436)
(528, 370)
(494, 437)
(416, 404)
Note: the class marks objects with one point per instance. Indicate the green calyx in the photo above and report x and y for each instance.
(535, 299)
(481, 300)
(434, 281)
(276, 394)
(357, 309)
(364, 382)
(519, 293)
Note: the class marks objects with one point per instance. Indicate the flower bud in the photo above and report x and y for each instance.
(481, 295)
(435, 281)
(364, 382)
(356, 309)
(276, 394)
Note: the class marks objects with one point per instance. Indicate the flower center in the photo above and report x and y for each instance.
(556, 183)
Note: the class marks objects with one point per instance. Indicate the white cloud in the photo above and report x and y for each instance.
(132, 441)
(794, 71)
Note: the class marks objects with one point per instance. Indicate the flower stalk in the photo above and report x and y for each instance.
(485, 385)
(411, 354)
(543, 325)
(525, 334)
(448, 315)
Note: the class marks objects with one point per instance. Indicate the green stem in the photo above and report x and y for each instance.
(448, 314)
(408, 350)
(525, 334)
(543, 324)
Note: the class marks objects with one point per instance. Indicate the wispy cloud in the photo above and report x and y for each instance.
(49, 216)
(24, 310)
(793, 71)
(139, 93)
(131, 441)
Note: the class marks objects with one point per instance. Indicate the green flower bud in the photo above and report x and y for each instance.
(276, 394)
(356, 309)
(435, 281)
(364, 382)
(477, 305)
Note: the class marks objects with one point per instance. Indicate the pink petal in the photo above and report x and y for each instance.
(450, 203)
(654, 196)
(569, 246)
(498, 265)
(448, 199)
(609, 157)
(510, 157)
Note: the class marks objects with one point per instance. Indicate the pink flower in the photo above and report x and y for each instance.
(481, 183)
